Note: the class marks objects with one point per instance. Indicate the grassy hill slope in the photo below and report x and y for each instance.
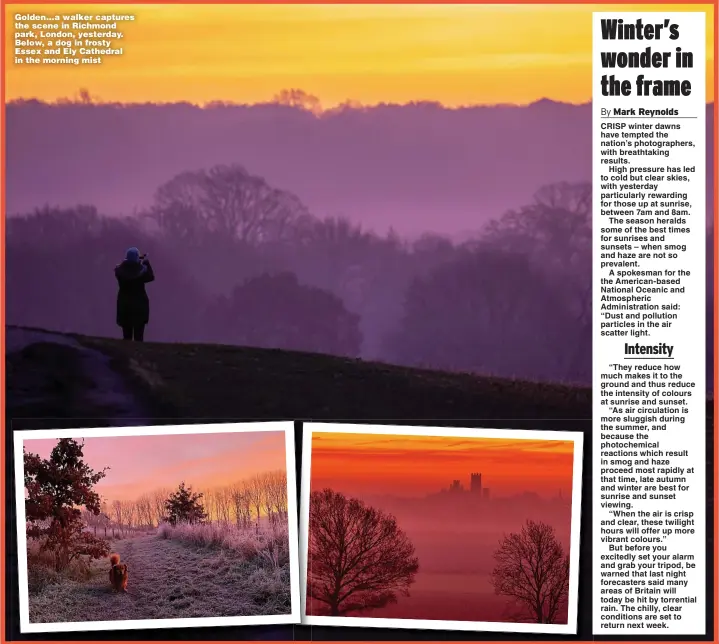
(182, 381)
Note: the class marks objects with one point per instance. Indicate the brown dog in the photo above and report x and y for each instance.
(118, 573)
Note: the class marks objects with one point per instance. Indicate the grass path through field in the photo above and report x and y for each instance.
(167, 579)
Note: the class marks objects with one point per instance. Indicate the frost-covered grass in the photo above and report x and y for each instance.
(177, 573)
(269, 543)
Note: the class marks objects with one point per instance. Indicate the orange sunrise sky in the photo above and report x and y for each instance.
(142, 464)
(454, 54)
(374, 464)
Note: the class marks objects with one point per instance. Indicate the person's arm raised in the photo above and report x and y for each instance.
(149, 274)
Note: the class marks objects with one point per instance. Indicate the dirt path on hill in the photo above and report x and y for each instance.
(52, 376)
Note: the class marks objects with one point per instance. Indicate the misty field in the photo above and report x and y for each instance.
(174, 572)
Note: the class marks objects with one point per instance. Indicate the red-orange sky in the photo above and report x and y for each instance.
(370, 464)
(141, 464)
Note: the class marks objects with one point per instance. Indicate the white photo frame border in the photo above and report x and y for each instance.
(23, 437)
(577, 438)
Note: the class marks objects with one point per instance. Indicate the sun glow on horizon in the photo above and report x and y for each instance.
(142, 464)
(418, 465)
(452, 54)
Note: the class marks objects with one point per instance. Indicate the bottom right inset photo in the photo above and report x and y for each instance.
(439, 528)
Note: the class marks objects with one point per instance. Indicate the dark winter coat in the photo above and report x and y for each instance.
(133, 305)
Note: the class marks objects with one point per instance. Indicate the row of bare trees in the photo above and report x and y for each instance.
(243, 503)
(125, 516)
(246, 501)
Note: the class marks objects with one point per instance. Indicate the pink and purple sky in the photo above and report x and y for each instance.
(141, 464)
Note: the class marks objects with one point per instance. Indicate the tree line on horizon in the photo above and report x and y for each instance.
(243, 504)
(241, 262)
(294, 98)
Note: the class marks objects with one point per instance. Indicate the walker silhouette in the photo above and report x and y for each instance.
(133, 304)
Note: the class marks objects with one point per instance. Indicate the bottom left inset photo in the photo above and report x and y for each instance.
(156, 527)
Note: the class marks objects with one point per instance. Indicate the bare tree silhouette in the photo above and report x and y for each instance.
(228, 201)
(555, 233)
(299, 98)
(533, 570)
(359, 559)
